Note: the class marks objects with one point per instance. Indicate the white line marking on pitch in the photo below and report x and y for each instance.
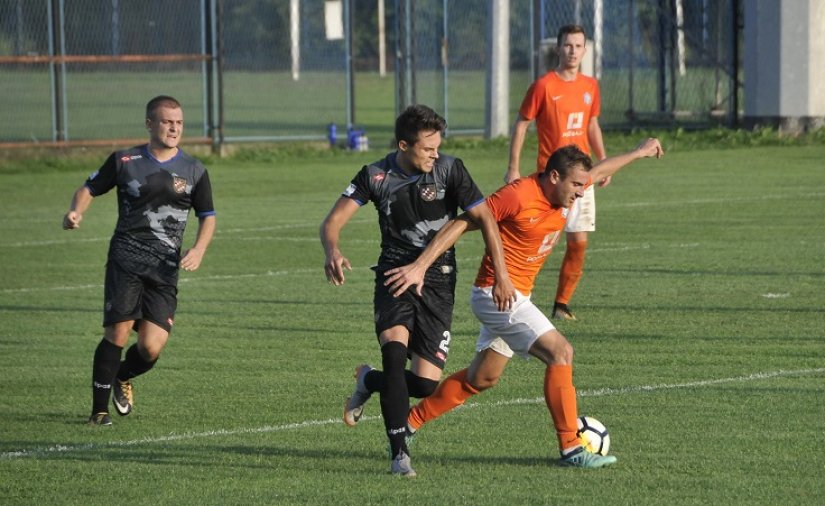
(599, 392)
(461, 262)
(218, 234)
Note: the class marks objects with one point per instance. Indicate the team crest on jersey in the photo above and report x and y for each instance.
(588, 98)
(428, 192)
(179, 184)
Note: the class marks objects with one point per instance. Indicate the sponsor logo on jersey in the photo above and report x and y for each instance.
(127, 159)
(378, 177)
(538, 257)
(572, 133)
(179, 184)
(428, 192)
(588, 98)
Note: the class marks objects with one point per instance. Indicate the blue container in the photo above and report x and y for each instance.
(332, 134)
(357, 139)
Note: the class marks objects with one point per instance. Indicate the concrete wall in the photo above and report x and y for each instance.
(785, 64)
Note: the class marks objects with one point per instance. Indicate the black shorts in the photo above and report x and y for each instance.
(140, 292)
(427, 318)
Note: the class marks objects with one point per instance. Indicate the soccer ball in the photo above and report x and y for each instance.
(594, 435)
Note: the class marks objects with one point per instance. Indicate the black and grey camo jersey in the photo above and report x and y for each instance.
(154, 198)
(413, 208)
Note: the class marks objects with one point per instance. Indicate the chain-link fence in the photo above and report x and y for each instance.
(82, 70)
(85, 70)
(659, 61)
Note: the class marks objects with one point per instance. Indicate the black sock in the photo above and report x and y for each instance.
(417, 386)
(133, 365)
(375, 381)
(104, 368)
(395, 400)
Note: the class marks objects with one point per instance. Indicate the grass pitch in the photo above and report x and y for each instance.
(700, 345)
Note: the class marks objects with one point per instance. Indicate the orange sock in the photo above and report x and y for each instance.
(560, 396)
(451, 393)
(571, 270)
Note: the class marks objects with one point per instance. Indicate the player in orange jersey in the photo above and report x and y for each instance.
(565, 105)
(531, 213)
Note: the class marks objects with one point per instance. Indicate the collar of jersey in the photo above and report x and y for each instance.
(148, 154)
(394, 167)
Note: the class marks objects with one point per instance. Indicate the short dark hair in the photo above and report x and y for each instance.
(161, 101)
(565, 158)
(568, 29)
(417, 118)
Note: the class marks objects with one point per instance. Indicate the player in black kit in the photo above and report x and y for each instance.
(416, 192)
(157, 184)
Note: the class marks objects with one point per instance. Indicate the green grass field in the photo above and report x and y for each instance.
(701, 345)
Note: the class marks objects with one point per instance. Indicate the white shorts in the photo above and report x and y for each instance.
(507, 332)
(582, 215)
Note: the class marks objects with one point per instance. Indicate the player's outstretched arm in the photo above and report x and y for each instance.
(646, 149)
(335, 262)
(193, 257)
(81, 201)
(399, 279)
(516, 143)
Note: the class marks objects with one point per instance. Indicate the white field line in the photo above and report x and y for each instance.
(709, 200)
(218, 234)
(314, 224)
(301, 271)
(182, 280)
(600, 392)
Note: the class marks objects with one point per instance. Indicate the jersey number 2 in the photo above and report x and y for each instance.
(444, 345)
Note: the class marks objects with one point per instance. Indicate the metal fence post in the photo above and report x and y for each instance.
(349, 16)
(214, 70)
(497, 104)
(57, 69)
(733, 114)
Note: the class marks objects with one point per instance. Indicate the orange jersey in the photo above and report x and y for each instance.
(562, 111)
(529, 226)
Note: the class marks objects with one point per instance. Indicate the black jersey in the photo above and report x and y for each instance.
(154, 198)
(413, 208)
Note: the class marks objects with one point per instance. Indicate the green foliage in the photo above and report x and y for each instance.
(34, 160)
(714, 138)
(699, 345)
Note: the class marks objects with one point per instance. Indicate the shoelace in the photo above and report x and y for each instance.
(126, 389)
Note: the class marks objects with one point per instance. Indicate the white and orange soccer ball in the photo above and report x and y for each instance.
(594, 435)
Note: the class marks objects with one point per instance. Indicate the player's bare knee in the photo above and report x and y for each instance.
(566, 353)
(149, 352)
